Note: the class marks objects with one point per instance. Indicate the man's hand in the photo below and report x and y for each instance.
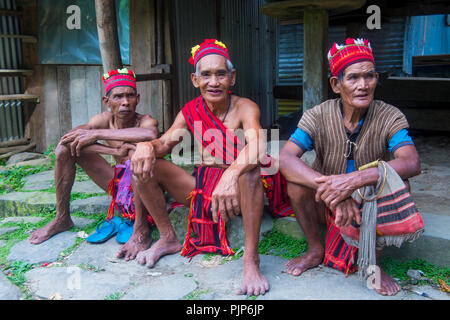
(125, 148)
(346, 211)
(335, 188)
(225, 198)
(77, 139)
(142, 161)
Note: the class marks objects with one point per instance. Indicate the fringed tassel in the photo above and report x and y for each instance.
(188, 249)
(223, 238)
(111, 193)
(400, 239)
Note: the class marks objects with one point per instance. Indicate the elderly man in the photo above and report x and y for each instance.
(225, 184)
(121, 127)
(347, 133)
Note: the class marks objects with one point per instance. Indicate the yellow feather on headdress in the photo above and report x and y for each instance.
(220, 44)
(194, 50)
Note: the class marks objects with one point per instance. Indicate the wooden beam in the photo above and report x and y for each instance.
(315, 31)
(15, 72)
(21, 97)
(108, 38)
(24, 38)
(153, 76)
(5, 12)
(12, 143)
(18, 150)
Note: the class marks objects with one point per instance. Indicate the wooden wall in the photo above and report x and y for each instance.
(71, 94)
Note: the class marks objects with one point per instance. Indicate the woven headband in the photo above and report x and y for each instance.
(354, 51)
(119, 78)
(207, 47)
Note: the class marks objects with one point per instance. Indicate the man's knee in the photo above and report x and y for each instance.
(62, 153)
(298, 193)
(159, 174)
(251, 178)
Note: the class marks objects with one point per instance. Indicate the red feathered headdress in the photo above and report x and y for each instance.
(209, 46)
(354, 50)
(119, 78)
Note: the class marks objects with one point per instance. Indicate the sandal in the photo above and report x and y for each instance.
(105, 230)
(125, 231)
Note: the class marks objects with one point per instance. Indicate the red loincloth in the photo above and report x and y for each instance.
(203, 235)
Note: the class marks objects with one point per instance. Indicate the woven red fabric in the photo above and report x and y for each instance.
(354, 51)
(202, 235)
(397, 214)
(338, 254)
(119, 78)
(209, 46)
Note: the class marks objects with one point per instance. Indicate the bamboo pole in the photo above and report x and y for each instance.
(315, 87)
(108, 38)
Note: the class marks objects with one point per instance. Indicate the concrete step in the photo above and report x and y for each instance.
(427, 188)
(432, 245)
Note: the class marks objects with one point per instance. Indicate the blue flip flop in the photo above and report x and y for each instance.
(125, 231)
(105, 230)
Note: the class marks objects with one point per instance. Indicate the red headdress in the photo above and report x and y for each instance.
(354, 50)
(119, 78)
(209, 46)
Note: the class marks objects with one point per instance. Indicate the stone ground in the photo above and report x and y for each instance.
(66, 267)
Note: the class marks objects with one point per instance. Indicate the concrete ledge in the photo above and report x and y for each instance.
(432, 246)
(25, 203)
(290, 227)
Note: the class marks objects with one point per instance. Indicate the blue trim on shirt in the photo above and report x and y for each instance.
(304, 141)
(399, 139)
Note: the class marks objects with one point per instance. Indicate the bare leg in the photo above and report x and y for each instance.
(308, 214)
(141, 238)
(178, 184)
(387, 285)
(251, 193)
(94, 165)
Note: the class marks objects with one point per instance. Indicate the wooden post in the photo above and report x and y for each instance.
(315, 77)
(108, 38)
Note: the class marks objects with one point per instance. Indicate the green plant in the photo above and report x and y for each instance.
(115, 296)
(195, 295)
(50, 153)
(12, 178)
(16, 272)
(75, 196)
(279, 244)
(399, 269)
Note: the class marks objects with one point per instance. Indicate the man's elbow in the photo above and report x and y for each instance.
(416, 167)
(152, 134)
(283, 160)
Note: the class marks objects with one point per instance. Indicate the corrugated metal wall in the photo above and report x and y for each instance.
(249, 36)
(195, 20)
(387, 44)
(11, 111)
(425, 35)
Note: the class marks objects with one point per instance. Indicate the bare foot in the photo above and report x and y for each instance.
(254, 283)
(140, 240)
(386, 286)
(162, 247)
(52, 228)
(311, 259)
